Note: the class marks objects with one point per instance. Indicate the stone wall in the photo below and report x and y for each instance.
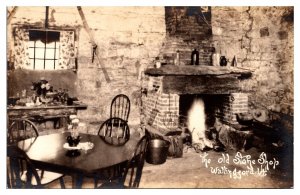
(261, 38)
(128, 39)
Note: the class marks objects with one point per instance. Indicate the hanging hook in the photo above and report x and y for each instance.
(94, 51)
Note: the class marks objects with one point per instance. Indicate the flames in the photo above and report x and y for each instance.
(196, 120)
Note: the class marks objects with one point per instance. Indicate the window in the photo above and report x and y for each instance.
(44, 49)
(40, 49)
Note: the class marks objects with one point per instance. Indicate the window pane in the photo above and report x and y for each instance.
(50, 54)
(31, 52)
(31, 44)
(31, 64)
(49, 64)
(39, 53)
(50, 45)
(57, 53)
(39, 64)
(56, 64)
(44, 49)
(39, 44)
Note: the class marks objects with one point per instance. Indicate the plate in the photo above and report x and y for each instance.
(66, 146)
(80, 146)
(51, 94)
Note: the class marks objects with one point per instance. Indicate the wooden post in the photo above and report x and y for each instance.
(87, 28)
(11, 14)
(46, 17)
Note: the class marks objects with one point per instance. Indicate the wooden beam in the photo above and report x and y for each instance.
(88, 30)
(46, 17)
(200, 85)
(11, 14)
(171, 70)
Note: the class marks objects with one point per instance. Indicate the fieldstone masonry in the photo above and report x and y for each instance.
(261, 38)
(130, 38)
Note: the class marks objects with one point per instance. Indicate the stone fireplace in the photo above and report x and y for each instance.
(170, 91)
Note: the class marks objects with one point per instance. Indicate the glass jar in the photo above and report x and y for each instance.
(223, 61)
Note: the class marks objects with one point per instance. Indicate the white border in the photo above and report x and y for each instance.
(145, 3)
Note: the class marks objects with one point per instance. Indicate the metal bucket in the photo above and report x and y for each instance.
(157, 151)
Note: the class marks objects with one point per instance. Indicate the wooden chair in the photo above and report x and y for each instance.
(114, 131)
(31, 177)
(21, 129)
(132, 173)
(120, 107)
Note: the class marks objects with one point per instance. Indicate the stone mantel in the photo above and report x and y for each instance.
(200, 79)
(192, 70)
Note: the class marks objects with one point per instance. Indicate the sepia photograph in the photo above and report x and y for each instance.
(189, 96)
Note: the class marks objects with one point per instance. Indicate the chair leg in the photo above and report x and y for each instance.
(42, 174)
(95, 182)
(8, 180)
(62, 183)
(15, 174)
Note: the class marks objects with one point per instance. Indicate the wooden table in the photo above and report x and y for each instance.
(26, 111)
(42, 113)
(47, 153)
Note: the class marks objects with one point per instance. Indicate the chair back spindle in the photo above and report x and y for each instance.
(114, 131)
(120, 107)
(21, 129)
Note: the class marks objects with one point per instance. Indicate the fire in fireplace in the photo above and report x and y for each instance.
(198, 114)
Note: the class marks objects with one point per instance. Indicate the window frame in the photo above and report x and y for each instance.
(35, 48)
(18, 56)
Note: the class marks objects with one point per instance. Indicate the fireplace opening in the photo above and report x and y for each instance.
(198, 114)
(214, 107)
(202, 114)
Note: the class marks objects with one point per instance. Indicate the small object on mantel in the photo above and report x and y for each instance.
(177, 60)
(216, 58)
(234, 62)
(195, 57)
(223, 61)
(157, 62)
